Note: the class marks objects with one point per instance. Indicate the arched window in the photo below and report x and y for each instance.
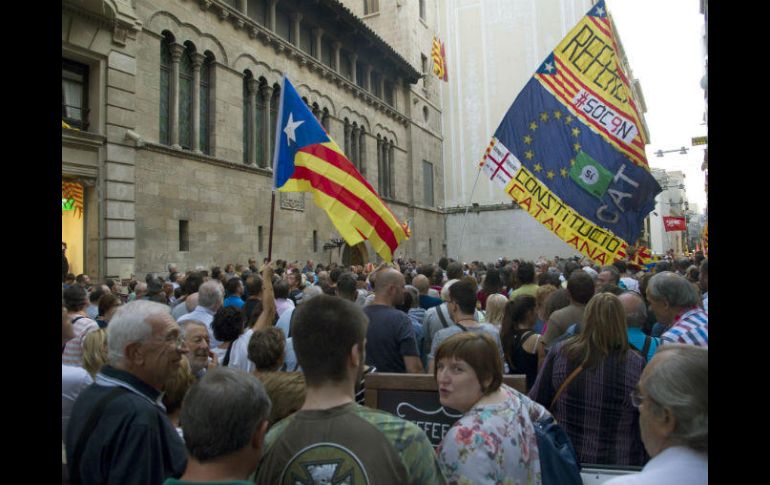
(165, 89)
(246, 115)
(205, 104)
(186, 98)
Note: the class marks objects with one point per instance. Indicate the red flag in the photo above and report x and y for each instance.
(674, 223)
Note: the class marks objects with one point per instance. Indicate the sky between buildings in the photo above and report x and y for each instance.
(663, 40)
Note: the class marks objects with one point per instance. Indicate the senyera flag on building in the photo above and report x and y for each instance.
(674, 223)
(439, 60)
(306, 159)
(570, 150)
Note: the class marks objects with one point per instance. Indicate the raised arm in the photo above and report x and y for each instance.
(267, 316)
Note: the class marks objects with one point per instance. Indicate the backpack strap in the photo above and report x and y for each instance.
(291, 322)
(440, 316)
(93, 420)
(462, 327)
(646, 349)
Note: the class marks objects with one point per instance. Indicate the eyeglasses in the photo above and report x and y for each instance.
(178, 341)
(637, 399)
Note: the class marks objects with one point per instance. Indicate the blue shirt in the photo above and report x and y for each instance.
(636, 338)
(233, 300)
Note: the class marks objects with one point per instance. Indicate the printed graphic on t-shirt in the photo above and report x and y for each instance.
(324, 464)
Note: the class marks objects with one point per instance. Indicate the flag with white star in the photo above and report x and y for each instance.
(306, 159)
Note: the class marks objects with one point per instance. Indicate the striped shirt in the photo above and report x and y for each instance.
(692, 327)
(73, 350)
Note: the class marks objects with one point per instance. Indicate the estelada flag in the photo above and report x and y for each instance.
(306, 159)
(439, 60)
(570, 149)
(674, 223)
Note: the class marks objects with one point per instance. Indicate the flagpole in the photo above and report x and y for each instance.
(465, 217)
(270, 237)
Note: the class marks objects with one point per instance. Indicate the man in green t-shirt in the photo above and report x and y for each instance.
(332, 439)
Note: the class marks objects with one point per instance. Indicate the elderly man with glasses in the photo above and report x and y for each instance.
(118, 430)
(672, 397)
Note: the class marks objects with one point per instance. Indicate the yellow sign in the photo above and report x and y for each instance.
(700, 140)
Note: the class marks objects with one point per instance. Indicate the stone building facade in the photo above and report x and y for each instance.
(172, 105)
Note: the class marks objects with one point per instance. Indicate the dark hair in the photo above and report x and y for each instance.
(81, 278)
(549, 278)
(556, 301)
(620, 265)
(75, 298)
(216, 272)
(569, 267)
(227, 324)
(525, 274)
(334, 275)
(281, 289)
(96, 294)
(492, 283)
(254, 284)
(454, 271)
(438, 277)
(427, 270)
(662, 266)
(463, 292)
(192, 282)
(580, 286)
(325, 330)
(232, 285)
(108, 301)
(347, 284)
(514, 313)
(173, 276)
(110, 283)
(479, 351)
(222, 412)
(266, 349)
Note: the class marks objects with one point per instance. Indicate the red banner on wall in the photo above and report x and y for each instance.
(674, 223)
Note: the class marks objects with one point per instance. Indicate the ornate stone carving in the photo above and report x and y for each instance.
(204, 4)
(293, 201)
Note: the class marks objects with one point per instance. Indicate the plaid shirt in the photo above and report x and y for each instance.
(691, 327)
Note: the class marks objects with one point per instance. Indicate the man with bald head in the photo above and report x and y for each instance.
(422, 284)
(636, 315)
(390, 340)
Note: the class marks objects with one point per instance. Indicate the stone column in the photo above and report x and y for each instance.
(271, 14)
(197, 62)
(337, 51)
(368, 78)
(252, 88)
(267, 95)
(382, 86)
(380, 171)
(353, 61)
(392, 174)
(354, 145)
(297, 19)
(348, 142)
(240, 5)
(318, 32)
(176, 55)
(361, 138)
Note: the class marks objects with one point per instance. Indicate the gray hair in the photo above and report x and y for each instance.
(613, 271)
(211, 294)
(129, 325)
(185, 323)
(311, 292)
(415, 295)
(674, 289)
(637, 314)
(221, 413)
(680, 382)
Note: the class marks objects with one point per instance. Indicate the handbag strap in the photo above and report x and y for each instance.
(93, 420)
(646, 348)
(565, 384)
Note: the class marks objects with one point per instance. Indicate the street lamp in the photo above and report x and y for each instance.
(681, 151)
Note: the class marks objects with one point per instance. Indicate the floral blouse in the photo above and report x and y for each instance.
(494, 443)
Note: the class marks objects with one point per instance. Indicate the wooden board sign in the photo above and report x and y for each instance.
(414, 397)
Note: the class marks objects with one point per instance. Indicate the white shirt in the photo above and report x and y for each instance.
(631, 284)
(239, 353)
(677, 465)
(73, 381)
(205, 316)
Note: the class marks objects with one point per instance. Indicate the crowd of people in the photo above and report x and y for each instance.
(248, 374)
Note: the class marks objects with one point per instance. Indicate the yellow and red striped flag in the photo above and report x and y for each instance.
(306, 159)
(439, 60)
